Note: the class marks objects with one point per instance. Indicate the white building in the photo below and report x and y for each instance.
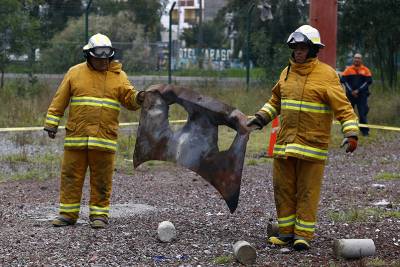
(187, 13)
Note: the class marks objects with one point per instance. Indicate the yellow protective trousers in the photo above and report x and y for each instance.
(73, 170)
(297, 185)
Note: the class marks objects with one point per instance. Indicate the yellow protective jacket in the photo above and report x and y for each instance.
(306, 97)
(94, 99)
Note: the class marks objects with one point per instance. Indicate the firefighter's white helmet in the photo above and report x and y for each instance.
(305, 34)
(99, 46)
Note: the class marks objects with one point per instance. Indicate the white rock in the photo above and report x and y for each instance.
(379, 186)
(383, 202)
(284, 250)
(166, 231)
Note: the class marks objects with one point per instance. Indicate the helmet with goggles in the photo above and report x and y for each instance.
(99, 46)
(305, 34)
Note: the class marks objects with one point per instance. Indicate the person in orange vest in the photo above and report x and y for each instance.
(356, 79)
(94, 91)
(307, 96)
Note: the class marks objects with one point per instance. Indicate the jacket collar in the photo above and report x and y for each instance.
(303, 68)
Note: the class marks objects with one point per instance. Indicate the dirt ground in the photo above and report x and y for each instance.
(206, 230)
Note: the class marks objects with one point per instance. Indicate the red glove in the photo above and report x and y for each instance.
(351, 143)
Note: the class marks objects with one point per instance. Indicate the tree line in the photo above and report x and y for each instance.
(56, 27)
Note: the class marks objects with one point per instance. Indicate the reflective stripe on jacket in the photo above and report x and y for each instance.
(94, 100)
(307, 97)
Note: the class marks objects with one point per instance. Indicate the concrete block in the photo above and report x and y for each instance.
(244, 252)
(272, 229)
(353, 248)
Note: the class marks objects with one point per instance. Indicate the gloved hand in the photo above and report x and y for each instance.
(351, 143)
(140, 97)
(51, 133)
(256, 123)
(161, 88)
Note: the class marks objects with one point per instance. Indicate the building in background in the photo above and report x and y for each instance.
(185, 15)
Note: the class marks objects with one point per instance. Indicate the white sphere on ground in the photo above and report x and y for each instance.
(166, 231)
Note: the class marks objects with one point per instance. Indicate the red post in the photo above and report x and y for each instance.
(272, 138)
(323, 17)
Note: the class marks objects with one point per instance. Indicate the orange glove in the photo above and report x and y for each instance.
(351, 143)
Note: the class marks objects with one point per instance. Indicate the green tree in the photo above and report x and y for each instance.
(54, 15)
(128, 37)
(19, 32)
(267, 38)
(213, 35)
(146, 13)
(372, 28)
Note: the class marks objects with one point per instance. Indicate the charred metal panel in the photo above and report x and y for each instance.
(195, 145)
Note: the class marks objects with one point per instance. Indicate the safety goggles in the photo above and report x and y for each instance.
(297, 37)
(102, 52)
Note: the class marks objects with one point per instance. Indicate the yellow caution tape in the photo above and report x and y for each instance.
(26, 129)
(373, 126)
(380, 127)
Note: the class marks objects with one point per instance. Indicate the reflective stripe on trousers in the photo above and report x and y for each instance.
(73, 170)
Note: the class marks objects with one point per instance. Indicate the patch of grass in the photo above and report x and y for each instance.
(48, 158)
(255, 73)
(22, 167)
(34, 174)
(15, 158)
(258, 141)
(254, 162)
(376, 262)
(224, 259)
(126, 145)
(387, 176)
(24, 104)
(251, 162)
(392, 214)
(353, 215)
(384, 106)
(362, 215)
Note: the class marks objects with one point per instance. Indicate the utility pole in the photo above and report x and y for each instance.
(200, 35)
(323, 16)
(87, 20)
(170, 42)
(248, 24)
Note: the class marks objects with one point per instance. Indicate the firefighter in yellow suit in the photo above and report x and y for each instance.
(94, 91)
(307, 97)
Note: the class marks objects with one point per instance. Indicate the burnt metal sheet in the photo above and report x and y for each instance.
(195, 145)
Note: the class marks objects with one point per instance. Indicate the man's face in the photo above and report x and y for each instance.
(300, 52)
(99, 64)
(357, 61)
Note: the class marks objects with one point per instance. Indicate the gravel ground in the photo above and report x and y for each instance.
(206, 230)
